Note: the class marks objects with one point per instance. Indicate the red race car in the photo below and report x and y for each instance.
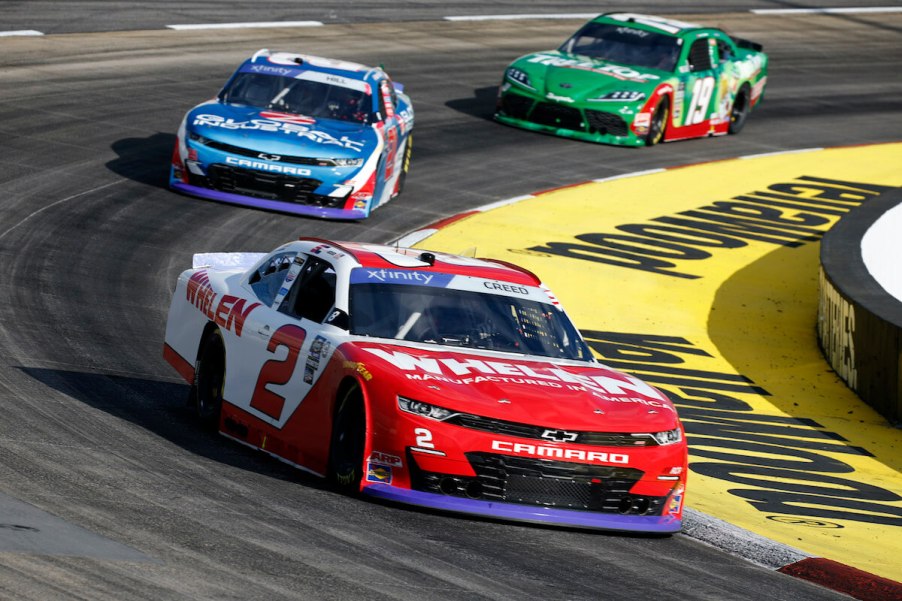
(424, 378)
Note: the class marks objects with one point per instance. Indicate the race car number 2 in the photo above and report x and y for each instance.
(277, 371)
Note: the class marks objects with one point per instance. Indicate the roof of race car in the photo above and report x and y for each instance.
(661, 24)
(380, 256)
(289, 62)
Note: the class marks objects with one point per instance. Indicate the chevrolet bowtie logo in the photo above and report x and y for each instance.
(269, 157)
(559, 435)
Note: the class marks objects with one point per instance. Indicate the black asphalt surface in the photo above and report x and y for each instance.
(108, 491)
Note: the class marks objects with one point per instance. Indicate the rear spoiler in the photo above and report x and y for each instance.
(747, 44)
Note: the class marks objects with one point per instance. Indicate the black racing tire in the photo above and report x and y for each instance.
(209, 381)
(405, 164)
(739, 112)
(658, 124)
(348, 441)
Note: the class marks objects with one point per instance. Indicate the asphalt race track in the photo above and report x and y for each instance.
(108, 491)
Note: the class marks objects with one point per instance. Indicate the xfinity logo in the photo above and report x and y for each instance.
(559, 435)
(274, 70)
(385, 274)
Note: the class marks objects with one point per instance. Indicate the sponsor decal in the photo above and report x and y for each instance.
(617, 71)
(288, 117)
(378, 473)
(630, 31)
(778, 464)
(329, 250)
(271, 70)
(300, 130)
(319, 349)
(360, 368)
(252, 164)
(836, 330)
(491, 285)
(385, 459)
(675, 506)
(553, 96)
(607, 385)
(400, 276)
(229, 312)
(548, 452)
(790, 214)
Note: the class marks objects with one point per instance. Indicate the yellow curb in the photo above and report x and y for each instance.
(778, 444)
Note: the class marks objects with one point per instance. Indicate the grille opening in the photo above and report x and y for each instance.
(542, 483)
(262, 184)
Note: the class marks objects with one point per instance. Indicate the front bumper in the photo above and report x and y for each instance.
(526, 513)
(295, 208)
(581, 123)
(264, 203)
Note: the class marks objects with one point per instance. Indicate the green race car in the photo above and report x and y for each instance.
(636, 80)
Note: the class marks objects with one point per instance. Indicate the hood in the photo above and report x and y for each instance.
(579, 78)
(280, 133)
(557, 394)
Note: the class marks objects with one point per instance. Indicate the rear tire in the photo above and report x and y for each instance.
(348, 441)
(209, 381)
(658, 124)
(739, 112)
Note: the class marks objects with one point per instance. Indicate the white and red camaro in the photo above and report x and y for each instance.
(424, 378)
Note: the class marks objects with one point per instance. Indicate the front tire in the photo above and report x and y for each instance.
(348, 441)
(739, 112)
(405, 164)
(209, 381)
(658, 124)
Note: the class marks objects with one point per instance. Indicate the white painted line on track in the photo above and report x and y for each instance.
(503, 203)
(827, 11)
(414, 237)
(778, 152)
(516, 17)
(59, 202)
(192, 26)
(19, 32)
(625, 175)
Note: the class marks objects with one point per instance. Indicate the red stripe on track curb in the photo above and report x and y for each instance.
(845, 579)
(449, 220)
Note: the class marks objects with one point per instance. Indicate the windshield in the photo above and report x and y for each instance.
(298, 96)
(464, 318)
(624, 45)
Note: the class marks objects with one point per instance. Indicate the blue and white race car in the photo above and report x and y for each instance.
(298, 134)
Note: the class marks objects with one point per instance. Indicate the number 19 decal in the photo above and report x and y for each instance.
(701, 98)
(277, 371)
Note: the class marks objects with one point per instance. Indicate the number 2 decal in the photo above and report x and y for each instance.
(277, 371)
(424, 438)
(701, 98)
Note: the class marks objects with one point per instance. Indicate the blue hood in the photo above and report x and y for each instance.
(280, 133)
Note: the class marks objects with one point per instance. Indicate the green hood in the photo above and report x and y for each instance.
(580, 78)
